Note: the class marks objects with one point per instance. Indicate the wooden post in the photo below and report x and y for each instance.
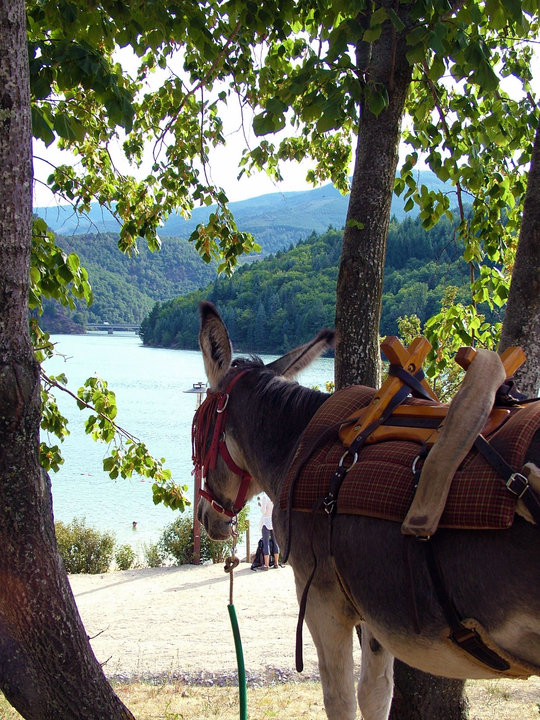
(196, 524)
(248, 554)
(200, 389)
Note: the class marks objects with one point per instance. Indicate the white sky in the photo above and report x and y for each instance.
(223, 166)
(223, 169)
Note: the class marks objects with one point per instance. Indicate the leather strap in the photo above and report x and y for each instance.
(515, 482)
(412, 381)
(467, 639)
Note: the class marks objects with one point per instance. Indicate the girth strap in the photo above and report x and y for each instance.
(467, 639)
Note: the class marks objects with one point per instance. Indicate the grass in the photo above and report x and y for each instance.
(489, 700)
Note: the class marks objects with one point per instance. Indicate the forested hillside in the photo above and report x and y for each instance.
(276, 219)
(283, 300)
(126, 288)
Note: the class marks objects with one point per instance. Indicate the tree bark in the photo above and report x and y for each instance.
(361, 268)
(522, 319)
(417, 695)
(47, 667)
(421, 696)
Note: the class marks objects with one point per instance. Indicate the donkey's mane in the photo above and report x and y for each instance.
(281, 397)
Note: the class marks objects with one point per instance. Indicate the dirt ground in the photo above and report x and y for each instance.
(174, 622)
(169, 626)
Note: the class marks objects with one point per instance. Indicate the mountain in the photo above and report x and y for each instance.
(282, 300)
(276, 220)
(125, 288)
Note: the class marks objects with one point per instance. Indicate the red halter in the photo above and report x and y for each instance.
(206, 459)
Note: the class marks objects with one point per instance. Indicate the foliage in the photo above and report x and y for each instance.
(299, 67)
(302, 68)
(124, 557)
(272, 304)
(84, 549)
(127, 454)
(275, 220)
(444, 383)
(176, 541)
(125, 288)
(60, 277)
(153, 556)
(83, 99)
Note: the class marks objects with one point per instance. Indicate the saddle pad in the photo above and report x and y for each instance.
(381, 483)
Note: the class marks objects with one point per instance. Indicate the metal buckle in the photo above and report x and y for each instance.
(355, 458)
(329, 504)
(219, 410)
(521, 481)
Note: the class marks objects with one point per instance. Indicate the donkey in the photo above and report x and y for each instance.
(245, 438)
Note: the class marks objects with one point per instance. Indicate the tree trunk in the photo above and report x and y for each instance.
(522, 320)
(420, 696)
(417, 695)
(361, 268)
(47, 667)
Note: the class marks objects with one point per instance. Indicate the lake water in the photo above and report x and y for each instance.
(150, 386)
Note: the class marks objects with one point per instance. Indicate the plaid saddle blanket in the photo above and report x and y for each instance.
(381, 483)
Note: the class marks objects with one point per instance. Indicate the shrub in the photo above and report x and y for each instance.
(124, 557)
(153, 555)
(84, 549)
(176, 541)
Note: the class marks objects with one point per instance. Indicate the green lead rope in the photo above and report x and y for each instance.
(230, 564)
(240, 662)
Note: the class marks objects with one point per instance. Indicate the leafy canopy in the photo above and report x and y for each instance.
(306, 71)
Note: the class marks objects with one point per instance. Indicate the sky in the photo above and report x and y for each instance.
(223, 163)
(223, 171)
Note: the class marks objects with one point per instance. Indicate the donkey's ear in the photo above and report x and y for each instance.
(215, 344)
(296, 360)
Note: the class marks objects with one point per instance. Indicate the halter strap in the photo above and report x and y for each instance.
(216, 403)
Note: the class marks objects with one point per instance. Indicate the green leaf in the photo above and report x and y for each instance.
(73, 262)
(377, 98)
(352, 223)
(263, 124)
(397, 22)
(372, 34)
(40, 127)
(68, 127)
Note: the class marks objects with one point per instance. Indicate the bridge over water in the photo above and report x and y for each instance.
(111, 328)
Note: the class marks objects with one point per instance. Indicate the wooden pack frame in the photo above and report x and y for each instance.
(417, 423)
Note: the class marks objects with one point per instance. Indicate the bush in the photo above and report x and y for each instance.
(84, 549)
(153, 555)
(176, 541)
(124, 557)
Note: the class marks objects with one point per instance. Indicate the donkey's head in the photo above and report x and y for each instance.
(219, 446)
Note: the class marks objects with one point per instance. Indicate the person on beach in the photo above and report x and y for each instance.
(267, 531)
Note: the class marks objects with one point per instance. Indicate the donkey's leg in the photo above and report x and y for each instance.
(376, 682)
(331, 625)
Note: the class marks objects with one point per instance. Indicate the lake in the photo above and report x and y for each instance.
(150, 385)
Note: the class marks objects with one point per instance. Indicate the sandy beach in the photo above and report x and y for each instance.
(174, 622)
